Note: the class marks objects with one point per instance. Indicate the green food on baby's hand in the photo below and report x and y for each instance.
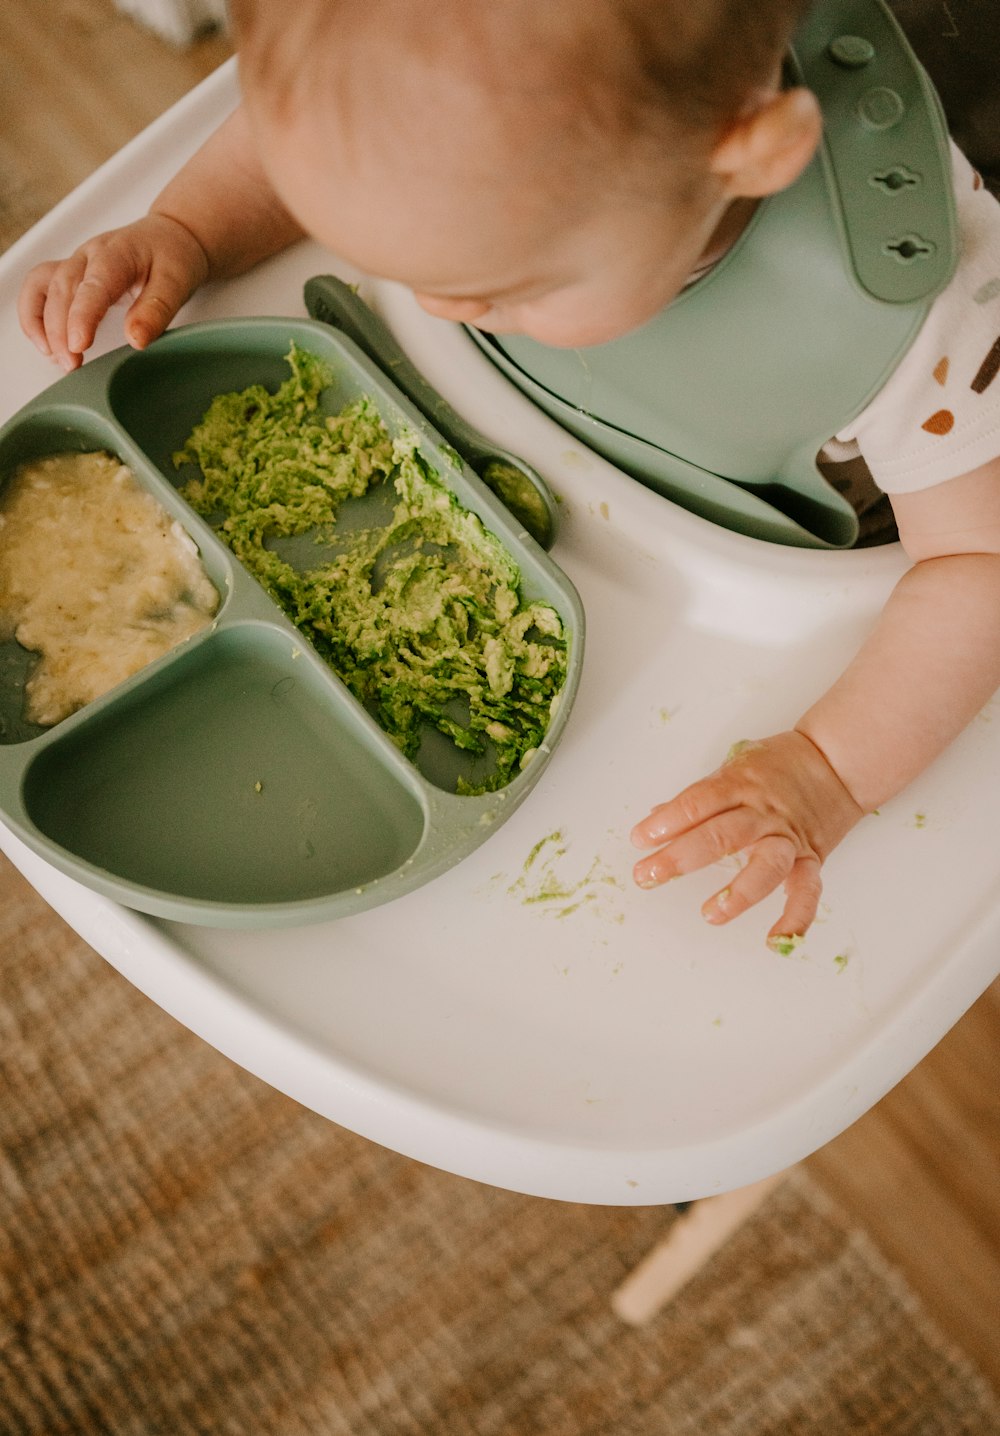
(422, 618)
(785, 945)
(743, 745)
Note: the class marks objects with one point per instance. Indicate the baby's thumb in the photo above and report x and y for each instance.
(152, 311)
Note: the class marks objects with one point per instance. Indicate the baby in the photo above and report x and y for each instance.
(564, 169)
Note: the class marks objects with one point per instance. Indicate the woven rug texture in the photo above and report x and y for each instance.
(185, 1250)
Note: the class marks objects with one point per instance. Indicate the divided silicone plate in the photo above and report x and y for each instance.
(235, 781)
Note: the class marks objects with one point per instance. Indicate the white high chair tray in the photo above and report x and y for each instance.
(531, 1019)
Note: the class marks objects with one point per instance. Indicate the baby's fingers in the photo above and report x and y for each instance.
(106, 277)
(169, 286)
(770, 861)
(723, 834)
(31, 305)
(62, 287)
(802, 894)
(149, 316)
(697, 804)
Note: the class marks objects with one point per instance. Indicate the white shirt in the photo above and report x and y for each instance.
(938, 415)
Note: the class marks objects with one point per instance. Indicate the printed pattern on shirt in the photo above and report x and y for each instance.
(938, 415)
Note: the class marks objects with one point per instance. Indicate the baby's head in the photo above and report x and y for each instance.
(551, 168)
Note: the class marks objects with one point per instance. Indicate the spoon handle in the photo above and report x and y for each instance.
(515, 482)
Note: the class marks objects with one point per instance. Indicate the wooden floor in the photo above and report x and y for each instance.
(79, 80)
(921, 1171)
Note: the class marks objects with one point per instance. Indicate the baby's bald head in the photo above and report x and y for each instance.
(612, 73)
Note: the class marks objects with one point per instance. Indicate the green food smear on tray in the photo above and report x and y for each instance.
(421, 617)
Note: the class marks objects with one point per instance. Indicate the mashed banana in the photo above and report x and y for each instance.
(95, 577)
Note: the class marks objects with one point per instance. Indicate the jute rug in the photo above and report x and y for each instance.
(184, 1250)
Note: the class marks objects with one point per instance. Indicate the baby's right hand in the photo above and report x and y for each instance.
(156, 260)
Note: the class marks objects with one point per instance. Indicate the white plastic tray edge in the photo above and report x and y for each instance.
(485, 1152)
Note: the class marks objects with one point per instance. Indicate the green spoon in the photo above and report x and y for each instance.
(515, 483)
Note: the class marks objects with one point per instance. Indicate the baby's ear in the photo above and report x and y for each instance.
(769, 145)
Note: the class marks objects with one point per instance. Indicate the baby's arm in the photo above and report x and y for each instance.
(216, 218)
(929, 665)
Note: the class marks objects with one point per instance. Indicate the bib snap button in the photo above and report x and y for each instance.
(852, 52)
(880, 108)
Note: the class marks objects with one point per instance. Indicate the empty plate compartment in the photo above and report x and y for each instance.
(234, 776)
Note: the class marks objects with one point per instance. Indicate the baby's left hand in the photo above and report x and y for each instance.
(778, 801)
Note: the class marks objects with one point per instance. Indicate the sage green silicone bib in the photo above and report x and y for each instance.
(722, 401)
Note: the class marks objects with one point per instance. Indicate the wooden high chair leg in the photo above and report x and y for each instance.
(691, 1241)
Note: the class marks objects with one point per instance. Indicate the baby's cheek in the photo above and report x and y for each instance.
(584, 320)
(459, 311)
(577, 330)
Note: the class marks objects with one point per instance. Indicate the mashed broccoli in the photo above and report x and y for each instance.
(421, 617)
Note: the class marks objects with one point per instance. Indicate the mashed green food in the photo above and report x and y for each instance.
(421, 617)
